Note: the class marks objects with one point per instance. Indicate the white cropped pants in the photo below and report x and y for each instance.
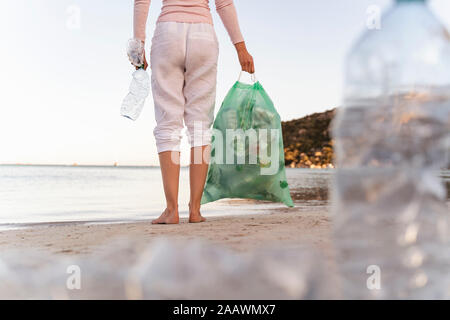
(183, 61)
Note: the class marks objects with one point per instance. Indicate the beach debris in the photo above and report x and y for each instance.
(247, 155)
(391, 221)
(140, 84)
(165, 269)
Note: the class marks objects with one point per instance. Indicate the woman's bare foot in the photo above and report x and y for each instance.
(196, 218)
(168, 217)
(195, 215)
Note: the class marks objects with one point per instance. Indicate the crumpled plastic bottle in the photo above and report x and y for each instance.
(391, 218)
(126, 268)
(140, 84)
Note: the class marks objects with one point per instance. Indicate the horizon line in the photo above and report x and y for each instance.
(77, 165)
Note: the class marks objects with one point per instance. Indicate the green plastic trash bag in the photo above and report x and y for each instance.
(247, 154)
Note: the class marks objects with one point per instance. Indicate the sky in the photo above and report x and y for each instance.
(64, 71)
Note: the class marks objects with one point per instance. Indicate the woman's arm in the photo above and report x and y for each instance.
(141, 8)
(228, 14)
(245, 58)
(140, 18)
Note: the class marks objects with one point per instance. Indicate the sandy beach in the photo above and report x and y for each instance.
(71, 218)
(284, 228)
(275, 255)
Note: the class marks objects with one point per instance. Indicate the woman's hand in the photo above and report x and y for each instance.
(145, 63)
(245, 59)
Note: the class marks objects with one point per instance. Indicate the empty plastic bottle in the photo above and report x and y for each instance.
(392, 136)
(140, 84)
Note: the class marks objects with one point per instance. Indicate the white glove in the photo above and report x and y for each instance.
(135, 52)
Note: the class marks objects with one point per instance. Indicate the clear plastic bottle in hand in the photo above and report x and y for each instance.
(140, 84)
(392, 138)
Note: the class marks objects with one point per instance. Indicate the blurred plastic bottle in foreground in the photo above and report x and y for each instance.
(392, 138)
(140, 84)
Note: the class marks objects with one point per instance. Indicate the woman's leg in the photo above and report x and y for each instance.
(197, 176)
(170, 170)
(200, 92)
(167, 64)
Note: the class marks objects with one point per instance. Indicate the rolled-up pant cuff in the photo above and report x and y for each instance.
(167, 140)
(168, 146)
(200, 139)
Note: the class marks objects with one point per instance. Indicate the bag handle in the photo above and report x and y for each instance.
(253, 76)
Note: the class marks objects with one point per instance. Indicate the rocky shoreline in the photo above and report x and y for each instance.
(307, 141)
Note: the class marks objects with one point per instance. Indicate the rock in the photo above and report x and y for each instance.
(309, 138)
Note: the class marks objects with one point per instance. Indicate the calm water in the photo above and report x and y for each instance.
(40, 194)
(36, 194)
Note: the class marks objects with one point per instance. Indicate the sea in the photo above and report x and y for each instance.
(40, 194)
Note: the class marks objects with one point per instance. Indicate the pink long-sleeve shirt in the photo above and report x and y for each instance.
(190, 11)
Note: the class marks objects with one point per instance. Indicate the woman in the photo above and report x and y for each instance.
(183, 60)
